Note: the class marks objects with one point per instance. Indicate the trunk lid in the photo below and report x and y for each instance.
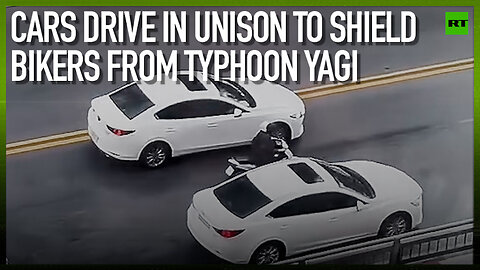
(213, 212)
(107, 113)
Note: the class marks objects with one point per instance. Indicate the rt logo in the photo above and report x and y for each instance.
(456, 23)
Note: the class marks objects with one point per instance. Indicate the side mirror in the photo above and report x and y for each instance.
(361, 206)
(237, 112)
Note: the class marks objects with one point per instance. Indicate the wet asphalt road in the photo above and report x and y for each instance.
(40, 109)
(72, 205)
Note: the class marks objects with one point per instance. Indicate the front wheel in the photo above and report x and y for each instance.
(395, 225)
(279, 131)
(155, 155)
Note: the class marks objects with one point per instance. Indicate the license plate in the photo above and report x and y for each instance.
(229, 171)
(204, 221)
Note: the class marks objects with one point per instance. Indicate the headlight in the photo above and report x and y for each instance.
(297, 115)
(417, 202)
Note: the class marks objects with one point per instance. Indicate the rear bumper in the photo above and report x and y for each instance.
(118, 148)
(228, 250)
(107, 152)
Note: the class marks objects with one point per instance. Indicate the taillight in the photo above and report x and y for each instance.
(119, 132)
(229, 233)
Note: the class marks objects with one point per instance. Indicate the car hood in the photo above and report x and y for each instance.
(270, 95)
(387, 181)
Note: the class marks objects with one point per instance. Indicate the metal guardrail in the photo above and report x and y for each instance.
(416, 246)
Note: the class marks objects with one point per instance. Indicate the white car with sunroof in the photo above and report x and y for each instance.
(152, 122)
(301, 204)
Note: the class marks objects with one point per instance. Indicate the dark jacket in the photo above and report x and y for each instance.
(263, 149)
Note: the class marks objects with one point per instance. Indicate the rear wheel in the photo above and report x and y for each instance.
(280, 131)
(395, 225)
(267, 253)
(155, 155)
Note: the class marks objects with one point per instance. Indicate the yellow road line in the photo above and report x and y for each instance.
(307, 93)
(388, 78)
(47, 142)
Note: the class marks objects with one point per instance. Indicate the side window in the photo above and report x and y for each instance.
(315, 203)
(333, 201)
(288, 209)
(176, 111)
(217, 107)
(195, 109)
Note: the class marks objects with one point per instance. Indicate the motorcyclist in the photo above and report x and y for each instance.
(262, 149)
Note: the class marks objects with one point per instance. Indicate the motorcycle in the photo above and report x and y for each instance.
(238, 165)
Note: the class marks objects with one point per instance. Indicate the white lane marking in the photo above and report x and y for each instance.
(465, 121)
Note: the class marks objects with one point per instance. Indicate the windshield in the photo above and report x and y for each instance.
(305, 172)
(131, 101)
(194, 85)
(348, 178)
(241, 197)
(232, 90)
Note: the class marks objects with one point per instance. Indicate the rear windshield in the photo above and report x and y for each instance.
(131, 101)
(241, 197)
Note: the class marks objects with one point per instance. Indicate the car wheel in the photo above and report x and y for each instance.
(279, 131)
(268, 253)
(395, 225)
(155, 155)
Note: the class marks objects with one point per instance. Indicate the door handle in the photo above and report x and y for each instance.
(283, 227)
(333, 219)
(170, 130)
(212, 125)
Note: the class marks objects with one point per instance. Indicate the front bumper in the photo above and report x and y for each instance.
(299, 132)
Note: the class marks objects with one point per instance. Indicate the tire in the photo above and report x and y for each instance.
(155, 155)
(281, 131)
(395, 224)
(268, 253)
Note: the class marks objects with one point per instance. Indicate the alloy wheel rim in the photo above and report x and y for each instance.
(397, 226)
(268, 255)
(155, 156)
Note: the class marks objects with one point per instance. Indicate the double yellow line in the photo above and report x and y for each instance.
(47, 142)
(387, 78)
(307, 93)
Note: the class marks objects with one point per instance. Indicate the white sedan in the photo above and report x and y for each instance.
(152, 122)
(297, 205)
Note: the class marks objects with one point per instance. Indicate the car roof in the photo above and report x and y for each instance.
(167, 92)
(278, 179)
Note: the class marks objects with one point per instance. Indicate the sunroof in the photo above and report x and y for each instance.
(305, 172)
(194, 85)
